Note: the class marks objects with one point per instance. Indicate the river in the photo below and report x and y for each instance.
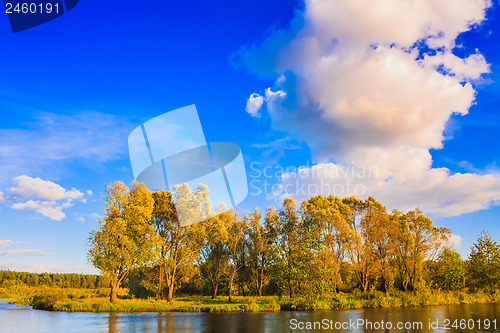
(465, 318)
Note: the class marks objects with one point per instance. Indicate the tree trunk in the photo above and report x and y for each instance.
(384, 286)
(242, 288)
(404, 281)
(159, 292)
(170, 294)
(259, 281)
(171, 286)
(215, 286)
(114, 290)
(230, 286)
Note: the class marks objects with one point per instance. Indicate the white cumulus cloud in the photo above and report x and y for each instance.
(454, 241)
(434, 191)
(372, 84)
(46, 208)
(42, 196)
(26, 187)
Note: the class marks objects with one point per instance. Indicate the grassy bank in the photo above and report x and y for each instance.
(96, 300)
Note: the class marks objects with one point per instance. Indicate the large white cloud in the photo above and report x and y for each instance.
(435, 190)
(372, 84)
(403, 22)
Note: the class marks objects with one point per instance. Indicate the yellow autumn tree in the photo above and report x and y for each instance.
(125, 235)
(179, 246)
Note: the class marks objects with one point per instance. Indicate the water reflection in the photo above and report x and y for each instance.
(23, 319)
(113, 323)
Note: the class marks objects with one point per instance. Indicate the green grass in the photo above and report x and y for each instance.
(97, 300)
(181, 304)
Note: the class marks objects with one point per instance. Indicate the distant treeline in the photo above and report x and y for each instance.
(66, 280)
(325, 245)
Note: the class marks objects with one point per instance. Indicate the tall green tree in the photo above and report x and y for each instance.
(449, 270)
(484, 263)
(125, 238)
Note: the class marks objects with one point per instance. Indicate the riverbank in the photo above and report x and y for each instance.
(97, 300)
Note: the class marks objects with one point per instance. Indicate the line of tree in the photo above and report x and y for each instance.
(61, 280)
(326, 245)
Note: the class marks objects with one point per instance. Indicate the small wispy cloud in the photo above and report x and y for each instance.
(39, 268)
(5, 242)
(25, 252)
(282, 143)
(53, 140)
(20, 252)
(274, 150)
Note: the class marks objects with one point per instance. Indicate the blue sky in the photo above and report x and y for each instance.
(72, 90)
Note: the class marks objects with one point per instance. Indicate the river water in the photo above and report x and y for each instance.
(454, 318)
